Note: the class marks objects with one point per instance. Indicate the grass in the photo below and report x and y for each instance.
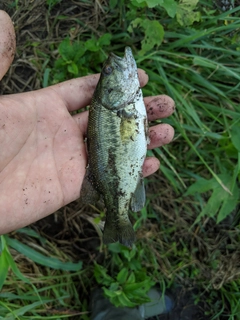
(179, 242)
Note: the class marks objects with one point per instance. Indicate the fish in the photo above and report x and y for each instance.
(117, 138)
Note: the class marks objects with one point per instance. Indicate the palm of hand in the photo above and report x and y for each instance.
(43, 158)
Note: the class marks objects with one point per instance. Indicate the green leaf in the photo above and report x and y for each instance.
(38, 257)
(79, 50)
(100, 274)
(92, 45)
(4, 266)
(7, 258)
(115, 247)
(73, 68)
(229, 204)
(59, 63)
(154, 34)
(139, 4)
(111, 294)
(15, 269)
(153, 30)
(201, 185)
(153, 3)
(140, 285)
(66, 50)
(114, 286)
(125, 301)
(120, 300)
(221, 202)
(105, 40)
(170, 6)
(122, 276)
(186, 14)
(131, 278)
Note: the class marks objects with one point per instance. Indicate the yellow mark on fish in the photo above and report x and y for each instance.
(128, 129)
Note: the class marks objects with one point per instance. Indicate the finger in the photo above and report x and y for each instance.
(7, 42)
(159, 107)
(77, 93)
(160, 135)
(82, 121)
(151, 165)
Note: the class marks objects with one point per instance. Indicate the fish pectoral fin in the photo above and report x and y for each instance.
(139, 197)
(88, 195)
(122, 232)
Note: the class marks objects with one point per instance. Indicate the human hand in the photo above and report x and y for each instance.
(43, 156)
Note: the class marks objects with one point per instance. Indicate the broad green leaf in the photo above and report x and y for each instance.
(139, 4)
(114, 286)
(201, 185)
(73, 68)
(153, 30)
(221, 202)
(139, 285)
(122, 276)
(110, 293)
(79, 50)
(186, 14)
(105, 39)
(66, 50)
(121, 300)
(125, 301)
(153, 3)
(229, 204)
(115, 247)
(214, 202)
(38, 257)
(59, 63)
(131, 278)
(92, 45)
(154, 34)
(170, 6)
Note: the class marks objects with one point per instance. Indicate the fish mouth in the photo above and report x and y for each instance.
(125, 62)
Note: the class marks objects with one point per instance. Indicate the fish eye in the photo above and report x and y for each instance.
(107, 70)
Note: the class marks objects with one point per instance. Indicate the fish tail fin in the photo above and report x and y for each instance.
(122, 232)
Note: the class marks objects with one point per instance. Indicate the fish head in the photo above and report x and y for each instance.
(119, 81)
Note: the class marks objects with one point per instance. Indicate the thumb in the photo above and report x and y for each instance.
(7, 42)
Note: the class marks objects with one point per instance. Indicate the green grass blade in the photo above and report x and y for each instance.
(37, 257)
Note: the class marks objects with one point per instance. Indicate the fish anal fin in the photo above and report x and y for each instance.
(139, 197)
